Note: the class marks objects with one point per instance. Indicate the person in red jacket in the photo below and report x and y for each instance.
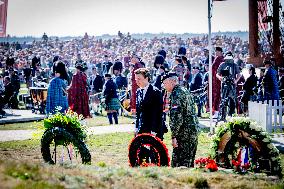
(135, 61)
(216, 83)
(78, 98)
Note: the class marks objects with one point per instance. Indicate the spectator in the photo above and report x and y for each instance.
(111, 99)
(270, 85)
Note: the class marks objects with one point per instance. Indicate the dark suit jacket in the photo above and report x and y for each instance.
(150, 111)
(97, 84)
(196, 83)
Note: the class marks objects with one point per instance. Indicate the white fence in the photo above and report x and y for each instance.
(267, 114)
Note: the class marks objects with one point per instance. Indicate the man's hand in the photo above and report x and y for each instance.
(174, 142)
(135, 132)
(153, 133)
(235, 82)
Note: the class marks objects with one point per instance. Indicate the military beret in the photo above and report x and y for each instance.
(168, 75)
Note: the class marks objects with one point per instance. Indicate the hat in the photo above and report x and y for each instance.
(195, 66)
(182, 51)
(229, 55)
(169, 75)
(79, 65)
(218, 49)
(163, 53)
(107, 75)
(159, 59)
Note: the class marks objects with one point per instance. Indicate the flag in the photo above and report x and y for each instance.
(3, 17)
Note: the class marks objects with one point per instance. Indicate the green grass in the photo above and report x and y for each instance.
(21, 166)
(96, 121)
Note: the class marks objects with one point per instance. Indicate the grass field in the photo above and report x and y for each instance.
(21, 166)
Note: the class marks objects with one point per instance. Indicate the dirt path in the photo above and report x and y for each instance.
(11, 135)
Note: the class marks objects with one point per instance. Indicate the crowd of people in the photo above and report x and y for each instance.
(161, 73)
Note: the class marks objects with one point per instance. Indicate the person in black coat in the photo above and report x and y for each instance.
(96, 82)
(149, 105)
(248, 88)
(6, 95)
(195, 84)
(158, 81)
(111, 99)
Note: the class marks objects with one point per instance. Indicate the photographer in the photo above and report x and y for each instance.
(229, 74)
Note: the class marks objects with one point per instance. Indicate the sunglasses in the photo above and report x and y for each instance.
(195, 68)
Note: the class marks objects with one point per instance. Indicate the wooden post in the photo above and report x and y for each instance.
(276, 34)
(254, 55)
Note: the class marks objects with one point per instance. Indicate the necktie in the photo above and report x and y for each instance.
(142, 94)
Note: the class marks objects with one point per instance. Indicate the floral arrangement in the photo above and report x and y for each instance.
(239, 168)
(240, 131)
(207, 163)
(70, 121)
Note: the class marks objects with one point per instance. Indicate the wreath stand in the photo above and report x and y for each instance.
(244, 133)
(148, 150)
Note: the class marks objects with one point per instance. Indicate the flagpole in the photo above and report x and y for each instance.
(210, 63)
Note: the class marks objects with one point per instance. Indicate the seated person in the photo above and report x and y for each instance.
(37, 79)
(6, 95)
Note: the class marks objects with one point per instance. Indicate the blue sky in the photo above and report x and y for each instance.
(75, 17)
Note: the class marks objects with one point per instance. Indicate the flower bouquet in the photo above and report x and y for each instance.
(70, 121)
(207, 163)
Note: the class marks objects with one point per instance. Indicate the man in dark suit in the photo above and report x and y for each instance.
(196, 82)
(149, 105)
(96, 82)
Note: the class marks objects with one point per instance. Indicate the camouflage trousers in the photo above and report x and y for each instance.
(184, 154)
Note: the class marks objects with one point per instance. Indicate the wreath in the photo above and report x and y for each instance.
(242, 136)
(64, 129)
(147, 150)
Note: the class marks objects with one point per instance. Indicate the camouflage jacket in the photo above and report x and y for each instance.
(182, 112)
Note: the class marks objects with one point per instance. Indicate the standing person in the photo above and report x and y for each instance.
(106, 65)
(183, 122)
(281, 83)
(56, 93)
(135, 61)
(27, 74)
(259, 85)
(6, 94)
(96, 82)
(216, 90)
(15, 81)
(149, 105)
(158, 80)
(233, 76)
(179, 69)
(78, 98)
(196, 84)
(111, 99)
(269, 82)
(120, 80)
(248, 88)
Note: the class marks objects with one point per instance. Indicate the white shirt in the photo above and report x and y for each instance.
(145, 90)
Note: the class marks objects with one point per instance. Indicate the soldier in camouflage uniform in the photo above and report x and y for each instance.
(183, 122)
